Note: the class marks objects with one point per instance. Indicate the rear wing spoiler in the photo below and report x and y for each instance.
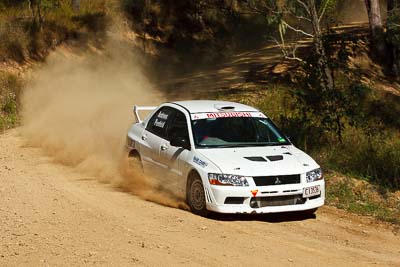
(136, 110)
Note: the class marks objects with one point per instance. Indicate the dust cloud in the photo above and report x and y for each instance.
(78, 109)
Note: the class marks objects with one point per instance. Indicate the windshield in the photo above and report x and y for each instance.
(236, 132)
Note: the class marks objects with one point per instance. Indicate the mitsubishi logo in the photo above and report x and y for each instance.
(278, 181)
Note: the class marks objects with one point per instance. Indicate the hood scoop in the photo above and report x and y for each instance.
(275, 158)
(262, 159)
(259, 159)
(224, 108)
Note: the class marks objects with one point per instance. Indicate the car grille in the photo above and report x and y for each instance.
(277, 180)
(259, 202)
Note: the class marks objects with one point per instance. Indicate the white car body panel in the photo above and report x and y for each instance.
(233, 161)
(171, 165)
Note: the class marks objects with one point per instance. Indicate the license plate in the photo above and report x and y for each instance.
(311, 191)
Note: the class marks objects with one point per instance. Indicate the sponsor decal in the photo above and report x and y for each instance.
(162, 115)
(228, 114)
(200, 162)
(159, 123)
(216, 115)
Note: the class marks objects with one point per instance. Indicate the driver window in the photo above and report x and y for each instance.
(159, 122)
(178, 128)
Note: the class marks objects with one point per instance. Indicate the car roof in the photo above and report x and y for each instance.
(199, 106)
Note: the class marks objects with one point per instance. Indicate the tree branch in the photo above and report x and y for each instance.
(291, 55)
(323, 10)
(305, 18)
(297, 30)
(304, 5)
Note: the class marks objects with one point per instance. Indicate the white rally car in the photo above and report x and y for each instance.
(224, 157)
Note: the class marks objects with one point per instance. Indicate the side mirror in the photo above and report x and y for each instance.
(180, 142)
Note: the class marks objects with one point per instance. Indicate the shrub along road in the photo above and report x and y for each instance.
(52, 215)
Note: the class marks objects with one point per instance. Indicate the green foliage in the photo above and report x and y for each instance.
(393, 26)
(288, 112)
(375, 157)
(329, 110)
(10, 89)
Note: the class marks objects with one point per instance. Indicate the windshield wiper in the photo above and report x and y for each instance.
(219, 146)
(232, 145)
(243, 145)
(279, 144)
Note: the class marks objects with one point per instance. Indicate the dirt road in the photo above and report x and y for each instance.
(52, 215)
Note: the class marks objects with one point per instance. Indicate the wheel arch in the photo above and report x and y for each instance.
(192, 173)
(195, 174)
(133, 153)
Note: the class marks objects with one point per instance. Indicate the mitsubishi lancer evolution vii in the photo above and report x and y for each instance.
(224, 157)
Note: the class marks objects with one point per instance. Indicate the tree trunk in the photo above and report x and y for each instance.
(31, 5)
(376, 26)
(39, 12)
(325, 73)
(393, 49)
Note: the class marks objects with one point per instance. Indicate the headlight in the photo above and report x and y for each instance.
(314, 175)
(227, 179)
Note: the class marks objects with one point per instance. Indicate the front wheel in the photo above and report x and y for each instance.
(196, 197)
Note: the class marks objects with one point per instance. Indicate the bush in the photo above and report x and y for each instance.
(10, 89)
(373, 157)
(288, 113)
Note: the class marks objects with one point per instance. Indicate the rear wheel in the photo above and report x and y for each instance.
(195, 196)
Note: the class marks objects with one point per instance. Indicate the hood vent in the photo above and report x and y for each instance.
(224, 108)
(275, 158)
(256, 159)
(262, 159)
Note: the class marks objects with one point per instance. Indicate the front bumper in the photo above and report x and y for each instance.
(270, 198)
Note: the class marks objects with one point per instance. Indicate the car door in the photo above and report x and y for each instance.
(174, 158)
(153, 136)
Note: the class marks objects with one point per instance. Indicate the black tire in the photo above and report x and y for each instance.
(195, 196)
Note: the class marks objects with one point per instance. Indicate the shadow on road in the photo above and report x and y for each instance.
(268, 217)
